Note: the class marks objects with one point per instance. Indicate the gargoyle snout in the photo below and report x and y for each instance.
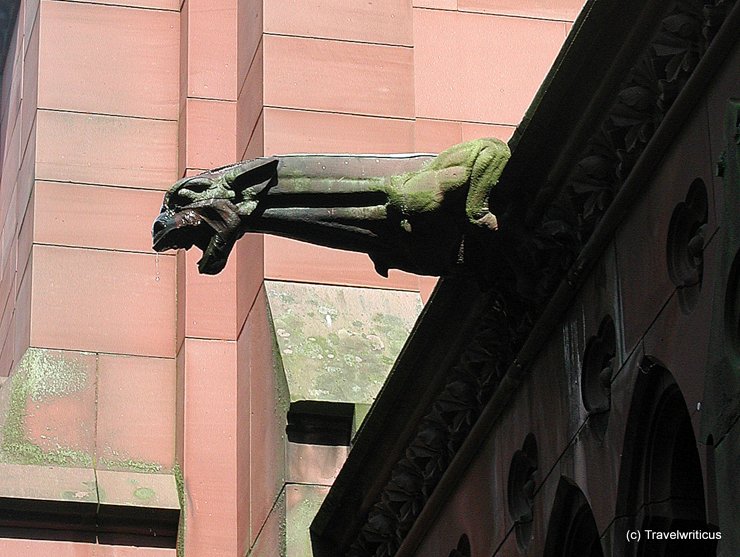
(163, 223)
(159, 224)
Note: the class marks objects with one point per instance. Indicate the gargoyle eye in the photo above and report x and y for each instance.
(197, 186)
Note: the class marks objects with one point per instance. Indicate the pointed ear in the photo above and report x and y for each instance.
(247, 179)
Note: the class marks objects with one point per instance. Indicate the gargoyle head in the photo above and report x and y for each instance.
(207, 210)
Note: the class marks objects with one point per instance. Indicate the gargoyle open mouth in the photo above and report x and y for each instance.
(211, 225)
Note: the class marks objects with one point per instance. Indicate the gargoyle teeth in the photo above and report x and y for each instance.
(190, 218)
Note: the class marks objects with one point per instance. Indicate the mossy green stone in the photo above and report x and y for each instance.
(41, 374)
(339, 343)
(144, 493)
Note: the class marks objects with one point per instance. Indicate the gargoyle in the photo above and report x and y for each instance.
(406, 212)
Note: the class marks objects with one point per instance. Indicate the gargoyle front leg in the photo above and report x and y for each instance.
(485, 174)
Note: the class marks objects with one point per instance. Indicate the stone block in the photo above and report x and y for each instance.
(339, 343)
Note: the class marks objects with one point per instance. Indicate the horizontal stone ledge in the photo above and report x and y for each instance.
(88, 505)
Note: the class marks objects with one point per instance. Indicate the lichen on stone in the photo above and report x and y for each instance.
(47, 374)
(339, 343)
(130, 465)
(180, 483)
(299, 517)
(41, 374)
(144, 493)
(86, 495)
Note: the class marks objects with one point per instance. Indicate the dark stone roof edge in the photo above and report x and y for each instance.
(571, 283)
(410, 496)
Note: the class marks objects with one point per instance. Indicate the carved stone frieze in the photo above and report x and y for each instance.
(640, 105)
(444, 428)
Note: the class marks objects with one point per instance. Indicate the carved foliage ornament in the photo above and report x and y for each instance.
(644, 97)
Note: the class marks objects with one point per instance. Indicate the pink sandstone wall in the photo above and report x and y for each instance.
(83, 172)
(15, 127)
(110, 102)
(32, 548)
(215, 348)
(105, 138)
(89, 132)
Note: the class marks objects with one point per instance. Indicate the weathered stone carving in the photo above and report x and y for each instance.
(686, 238)
(411, 213)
